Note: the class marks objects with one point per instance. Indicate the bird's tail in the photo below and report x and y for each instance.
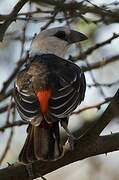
(42, 143)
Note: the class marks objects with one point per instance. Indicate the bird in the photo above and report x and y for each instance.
(46, 91)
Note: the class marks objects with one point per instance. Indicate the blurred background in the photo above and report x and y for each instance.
(102, 83)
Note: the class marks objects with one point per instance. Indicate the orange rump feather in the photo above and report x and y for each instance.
(43, 97)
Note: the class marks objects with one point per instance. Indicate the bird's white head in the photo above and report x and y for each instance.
(55, 41)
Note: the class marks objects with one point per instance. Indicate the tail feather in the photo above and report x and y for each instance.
(42, 143)
(27, 153)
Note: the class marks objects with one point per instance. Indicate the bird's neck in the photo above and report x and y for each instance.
(58, 49)
(57, 53)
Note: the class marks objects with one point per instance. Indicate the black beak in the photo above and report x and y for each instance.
(76, 36)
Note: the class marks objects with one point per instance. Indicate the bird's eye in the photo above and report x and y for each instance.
(61, 35)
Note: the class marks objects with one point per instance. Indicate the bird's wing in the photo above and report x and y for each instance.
(27, 106)
(68, 82)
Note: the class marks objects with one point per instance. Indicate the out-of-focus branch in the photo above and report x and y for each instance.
(83, 9)
(111, 112)
(101, 63)
(90, 50)
(48, 2)
(10, 135)
(51, 20)
(4, 108)
(12, 17)
(73, 9)
(3, 17)
(97, 106)
(12, 76)
(103, 84)
(6, 95)
(7, 145)
(75, 6)
(13, 124)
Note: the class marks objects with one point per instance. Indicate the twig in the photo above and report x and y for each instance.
(94, 80)
(4, 108)
(13, 124)
(91, 49)
(96, 46)
(11, 77)
(97, 106)
(104, 14)
(12, 16)
(10, 136)
(51, 20)
(103, 84)
(110, 113)
(9, 110)
(7, 146)
(5, 95)
(101, 63)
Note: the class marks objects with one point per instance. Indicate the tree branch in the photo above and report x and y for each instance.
(12, 124)
(91, 49)
(112, 111)
(101, 63)
(97, 106)
(84, 150)
(12, 17)
(11, 77)
(98, 125)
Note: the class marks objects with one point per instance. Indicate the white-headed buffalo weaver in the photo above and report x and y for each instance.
(46, 92)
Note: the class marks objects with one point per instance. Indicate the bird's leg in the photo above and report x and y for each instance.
(71, 138)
